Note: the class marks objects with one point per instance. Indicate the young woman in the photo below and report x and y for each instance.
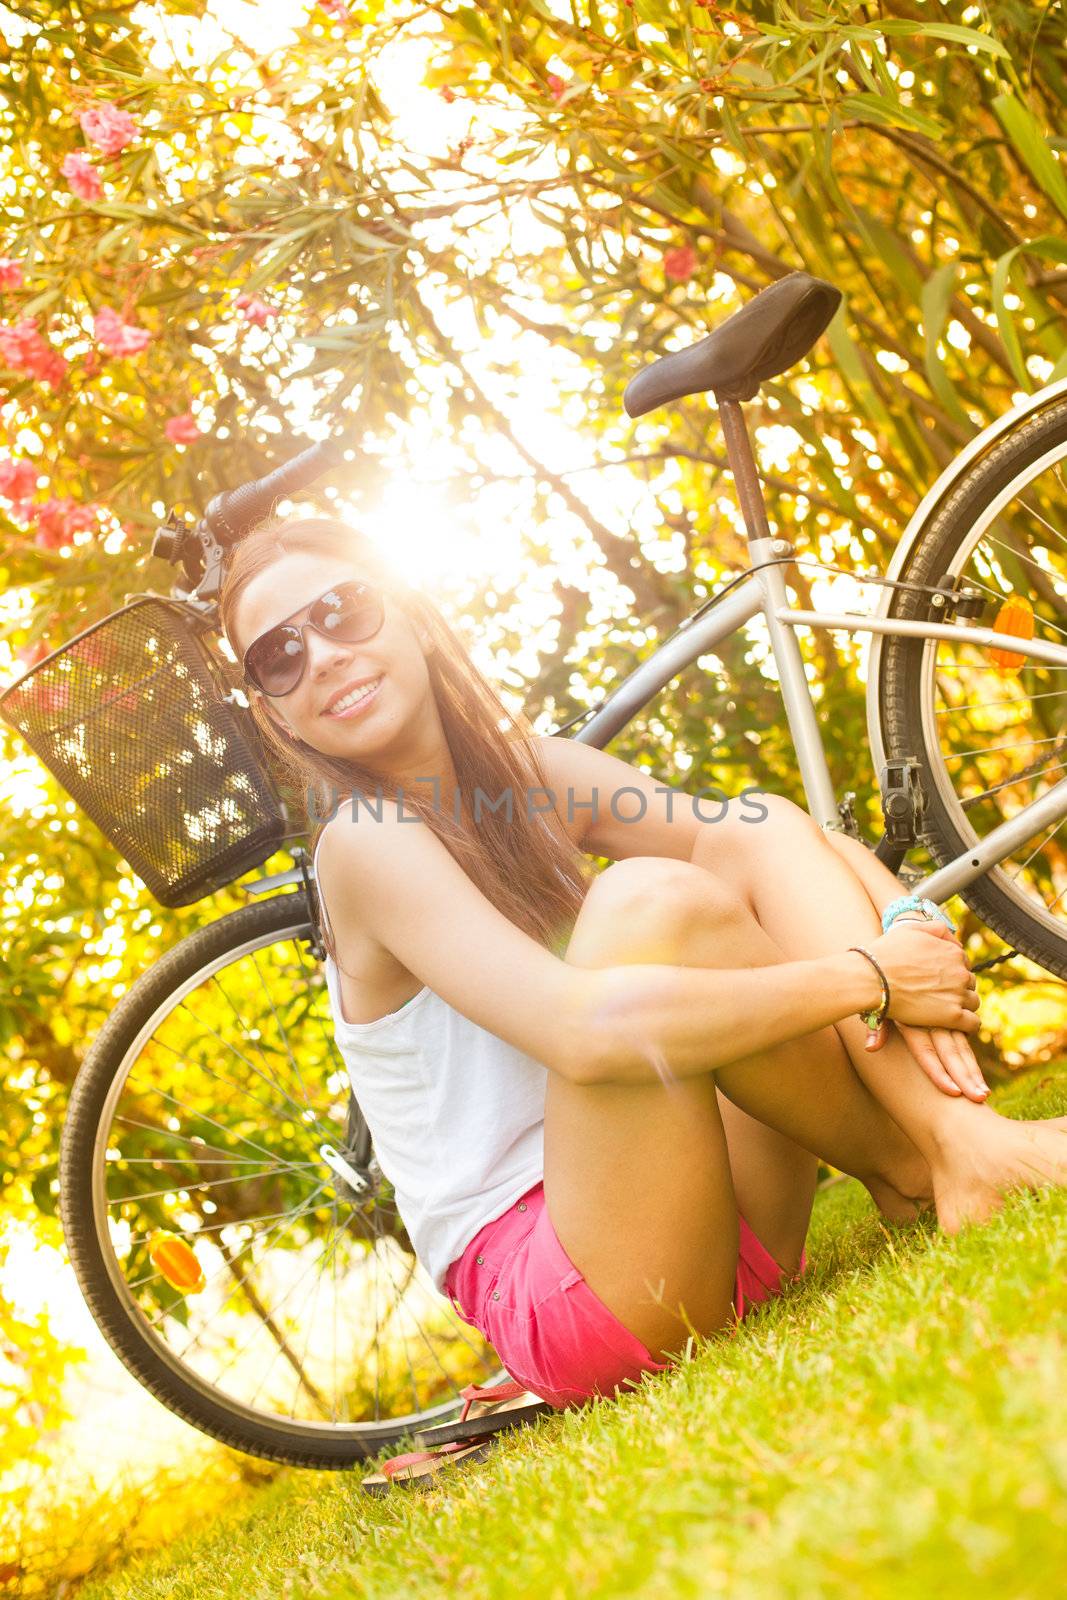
(600, 1097)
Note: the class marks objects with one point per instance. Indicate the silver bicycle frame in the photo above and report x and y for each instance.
(764, 592)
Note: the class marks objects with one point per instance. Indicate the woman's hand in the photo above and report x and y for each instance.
(945, 1054)
(946, 1057)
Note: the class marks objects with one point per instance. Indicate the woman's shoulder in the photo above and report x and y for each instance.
(371, 978)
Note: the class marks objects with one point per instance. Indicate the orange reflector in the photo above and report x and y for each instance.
(1016, 616)
(176, 1261)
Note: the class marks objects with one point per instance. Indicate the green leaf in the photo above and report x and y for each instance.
(46, 297)
(1022, 129)
(945, 30)
(887, 248)
(1051, 249)
(936, 296)
(276, 263)
(847, 360)
(875, 108)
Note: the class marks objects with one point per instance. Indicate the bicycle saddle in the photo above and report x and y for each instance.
(769, 334)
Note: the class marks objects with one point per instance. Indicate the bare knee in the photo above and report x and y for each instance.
(786, 821)
(646, 907)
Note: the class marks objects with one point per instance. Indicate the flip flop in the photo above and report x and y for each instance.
(502, 1406)
(418, 1467)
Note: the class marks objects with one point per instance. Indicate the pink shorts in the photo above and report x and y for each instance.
(517, 1285)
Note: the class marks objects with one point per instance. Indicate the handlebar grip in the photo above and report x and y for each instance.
(232, 513)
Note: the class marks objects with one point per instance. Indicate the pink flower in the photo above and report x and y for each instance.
(110, 129)
(117, 337)
(338, 9)
(30, 654)
(255, 309)
(680, 264)
(10, 273)
(18, 479)
(556, 86)
(82, 176)
(23, 349)
(58, 520)
(52, 369)
(182, 430)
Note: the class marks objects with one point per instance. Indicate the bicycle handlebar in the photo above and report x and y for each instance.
(230, 514)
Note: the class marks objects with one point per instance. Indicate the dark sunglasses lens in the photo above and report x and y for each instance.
(352, 612)
(275, 662)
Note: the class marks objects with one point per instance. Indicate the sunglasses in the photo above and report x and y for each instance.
(351, 612)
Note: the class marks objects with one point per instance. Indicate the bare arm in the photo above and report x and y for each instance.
(656, 1022)
(625, 1024)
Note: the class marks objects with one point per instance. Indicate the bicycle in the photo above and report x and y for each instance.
(236, 1247)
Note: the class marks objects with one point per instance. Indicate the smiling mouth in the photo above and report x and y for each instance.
(356, 697)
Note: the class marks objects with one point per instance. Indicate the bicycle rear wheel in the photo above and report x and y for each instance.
(268, 1297)
(989, 728)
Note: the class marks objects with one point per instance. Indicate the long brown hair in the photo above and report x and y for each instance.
(525, 865)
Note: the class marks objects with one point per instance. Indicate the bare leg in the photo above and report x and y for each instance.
(638, 1177)
(813, 903)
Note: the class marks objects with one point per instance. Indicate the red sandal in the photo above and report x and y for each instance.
(468, 1439)
(420, 1466)
(502, 1411)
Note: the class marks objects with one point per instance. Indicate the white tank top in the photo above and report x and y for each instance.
(457, 1116)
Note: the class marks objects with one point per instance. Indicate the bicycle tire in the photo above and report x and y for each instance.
(901, 684)
(282, 916)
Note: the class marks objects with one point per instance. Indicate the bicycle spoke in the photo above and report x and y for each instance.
(268, 1076)
(194, 1139)
(308, 1316)
(975, 799)
(278, 1229)
(284, 1036)
(404, 1336)
(1045, 523)
(270, 1323)
(430, 1348)
(202, 1116)
(280, 1340)
(231, 1084)
(1000, 597)
(1039, 846)
(217, 1227)
(1030, 562)
(188, 1188)
(993, 749)
(201, 1066)
(996, 705)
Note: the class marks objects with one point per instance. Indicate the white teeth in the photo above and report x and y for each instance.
(354, 698)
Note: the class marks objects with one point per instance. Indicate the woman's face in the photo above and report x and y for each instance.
(391, 665)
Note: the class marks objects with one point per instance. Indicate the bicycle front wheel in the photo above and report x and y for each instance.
(989, 727)
(228, 1223)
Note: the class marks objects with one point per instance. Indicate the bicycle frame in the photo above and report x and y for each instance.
(764, 593)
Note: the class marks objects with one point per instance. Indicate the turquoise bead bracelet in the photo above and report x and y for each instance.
(914, 902)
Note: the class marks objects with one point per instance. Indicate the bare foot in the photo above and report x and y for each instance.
(894, 1204)
(906, 1188)
(978, 1176)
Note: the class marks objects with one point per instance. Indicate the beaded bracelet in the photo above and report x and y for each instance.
(877, 1015)
(913, 902)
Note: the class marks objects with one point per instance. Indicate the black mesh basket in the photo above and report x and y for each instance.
(131, 717)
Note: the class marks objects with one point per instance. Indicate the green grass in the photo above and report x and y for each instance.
(892, 1427)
